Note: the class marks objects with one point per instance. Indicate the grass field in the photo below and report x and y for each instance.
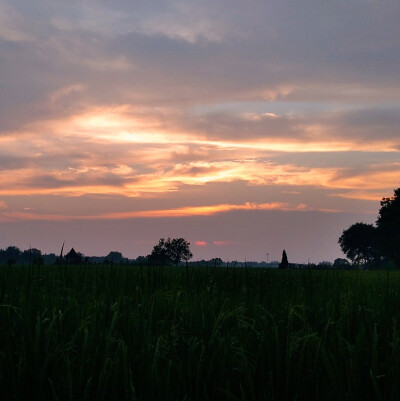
(153, 333)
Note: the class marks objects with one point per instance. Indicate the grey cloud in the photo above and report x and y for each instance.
(316, 47)
(351, 160)
(359, 125)
(225, 126)
(263, 46)
(367, 124)
(362, 169)
(79, 180)
(13, 162)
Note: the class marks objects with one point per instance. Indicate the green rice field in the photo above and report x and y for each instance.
(164, 333)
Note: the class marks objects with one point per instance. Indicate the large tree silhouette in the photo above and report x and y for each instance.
(388, 224)
(359, 243)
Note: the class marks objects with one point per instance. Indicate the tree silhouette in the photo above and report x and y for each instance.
(171, 251)
(341, 263)
(10, 255)
(284, 263)
(359, 243)
(115, 257)
(388, 224)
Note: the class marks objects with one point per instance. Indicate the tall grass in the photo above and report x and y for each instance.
(153, 333)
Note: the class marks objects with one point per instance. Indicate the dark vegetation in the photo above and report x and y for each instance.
(375, 246)
(164, 333)
(115, 331)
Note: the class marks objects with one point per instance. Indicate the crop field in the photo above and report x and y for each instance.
(165, 333)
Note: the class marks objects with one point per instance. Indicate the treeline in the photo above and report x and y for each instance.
(13, 255)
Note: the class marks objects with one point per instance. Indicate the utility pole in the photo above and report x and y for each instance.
(267, 257)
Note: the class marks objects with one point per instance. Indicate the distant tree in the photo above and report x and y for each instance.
(216, 262)
(10, 255)
(32, 255)
(50, 258)
(141, 260)
(341, 263)
(324, 265)
(388, 225)
(179, 250)
(171, 251)
(359, 243)
(284, 263)
(114, 257)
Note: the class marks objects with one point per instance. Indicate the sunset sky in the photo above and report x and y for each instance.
(245, 127)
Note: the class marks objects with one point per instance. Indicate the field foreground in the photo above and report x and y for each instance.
(153, 333)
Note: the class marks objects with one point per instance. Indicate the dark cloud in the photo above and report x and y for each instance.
(50, 181)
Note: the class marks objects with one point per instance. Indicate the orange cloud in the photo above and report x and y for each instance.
(200, 243)
(360, 195)
(126, 151)
(384, 176)
(179, 212)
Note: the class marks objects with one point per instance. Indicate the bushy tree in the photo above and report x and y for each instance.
(360, 243)
(32, 255)
(341, 263)
(141, 260)
(159, 253)
(171, 251)
(388, 224)
(115, 257)
(10, 255)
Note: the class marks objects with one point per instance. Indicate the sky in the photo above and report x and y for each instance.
(246, 127)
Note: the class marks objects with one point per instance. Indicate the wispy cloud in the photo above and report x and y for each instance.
(206, 210)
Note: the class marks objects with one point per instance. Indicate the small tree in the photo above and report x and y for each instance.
(284, 263)
(171, 251)
(359, 243)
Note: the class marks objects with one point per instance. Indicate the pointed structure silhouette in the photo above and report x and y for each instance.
(284, 263)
